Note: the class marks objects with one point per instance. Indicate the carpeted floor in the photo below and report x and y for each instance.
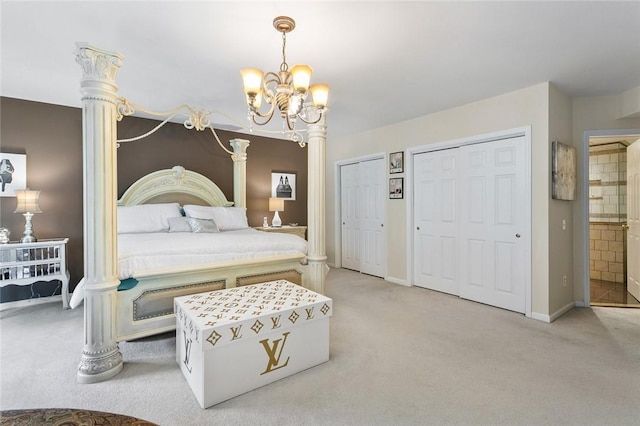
(399, 356)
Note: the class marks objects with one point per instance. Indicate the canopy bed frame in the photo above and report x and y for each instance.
(103, 324)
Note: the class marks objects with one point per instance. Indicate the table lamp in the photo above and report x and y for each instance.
(276, 205)
(27, 205)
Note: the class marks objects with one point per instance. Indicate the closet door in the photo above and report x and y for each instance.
(435, 221)
(492, 223)
(351, 215)
(372, 188)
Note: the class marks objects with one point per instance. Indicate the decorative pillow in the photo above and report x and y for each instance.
(179, 224)
(199, 212)
(202, 225)
(226, 218)
(146, 217)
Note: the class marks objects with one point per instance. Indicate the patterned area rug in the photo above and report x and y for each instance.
(67, 417)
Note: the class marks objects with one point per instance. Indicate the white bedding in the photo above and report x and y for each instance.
(144, 253)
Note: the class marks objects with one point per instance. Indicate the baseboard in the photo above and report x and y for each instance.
(397, 281)
(557, 314)
(580, 304)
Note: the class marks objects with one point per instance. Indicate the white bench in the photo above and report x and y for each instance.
(231, 341)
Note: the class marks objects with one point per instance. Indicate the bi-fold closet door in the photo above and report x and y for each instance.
(470, 222)
(362, 216)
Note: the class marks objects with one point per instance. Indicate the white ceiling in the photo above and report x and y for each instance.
(385, 61)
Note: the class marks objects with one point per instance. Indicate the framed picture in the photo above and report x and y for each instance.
(13, 174)
(396, 162)
(396, 187)
(283, 185)
(563, 171)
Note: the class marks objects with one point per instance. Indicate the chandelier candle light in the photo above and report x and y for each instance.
(285, 89)
(28, 205)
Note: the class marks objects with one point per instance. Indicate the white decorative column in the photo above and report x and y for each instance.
(101, 357)
(239, 158)
(317, 255)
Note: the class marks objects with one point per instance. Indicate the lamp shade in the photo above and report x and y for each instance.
(276, 204)
(301, 75)
(252, 79)
(27, 201)
(320, 95)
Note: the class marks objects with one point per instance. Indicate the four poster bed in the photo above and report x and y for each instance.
(165, 250)
(110, 315)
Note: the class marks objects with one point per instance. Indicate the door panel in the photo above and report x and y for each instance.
(350, 195)
(372, 187)
(633, 219)
(493, 183)
(435, 213)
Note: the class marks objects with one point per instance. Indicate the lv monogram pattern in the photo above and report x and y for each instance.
(217, 318)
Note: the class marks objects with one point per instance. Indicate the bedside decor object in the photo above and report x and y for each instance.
(4, 235)
(27, 204)
(395, 188)
(563, 171)
(396, 162)
(276, 205)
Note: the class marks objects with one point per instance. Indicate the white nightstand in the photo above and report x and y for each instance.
(300, 231)
(27, 263)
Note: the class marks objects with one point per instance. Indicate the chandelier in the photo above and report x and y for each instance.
(286, 89)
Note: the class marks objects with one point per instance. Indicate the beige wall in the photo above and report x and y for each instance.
(526, 107)
(560, 240)
(591, 114)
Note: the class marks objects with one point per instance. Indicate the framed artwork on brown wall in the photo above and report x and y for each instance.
(283, 185)
(13, 174)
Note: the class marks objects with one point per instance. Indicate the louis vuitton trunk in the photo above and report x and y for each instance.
(231, 341)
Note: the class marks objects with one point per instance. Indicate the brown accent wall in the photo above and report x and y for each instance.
(51, 137)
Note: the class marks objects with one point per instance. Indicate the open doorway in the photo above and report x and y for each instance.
(608, 198)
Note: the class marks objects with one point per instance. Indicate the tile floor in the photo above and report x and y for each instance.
(607, 293)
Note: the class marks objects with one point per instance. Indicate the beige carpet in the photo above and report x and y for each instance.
(399, 356)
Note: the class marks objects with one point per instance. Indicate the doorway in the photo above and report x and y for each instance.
(612, 206)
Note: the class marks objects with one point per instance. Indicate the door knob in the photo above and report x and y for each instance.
(418, 228)
(517, 235)
(382, 225)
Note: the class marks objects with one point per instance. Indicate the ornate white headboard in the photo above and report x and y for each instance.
(175, 185)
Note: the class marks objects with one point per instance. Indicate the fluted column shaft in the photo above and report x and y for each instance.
(101, 358)
(317, 255)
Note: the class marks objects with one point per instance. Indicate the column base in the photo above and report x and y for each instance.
(94, 369)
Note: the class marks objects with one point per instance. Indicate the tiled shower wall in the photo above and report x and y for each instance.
(608, 183)
(607, 211)
(606, 252)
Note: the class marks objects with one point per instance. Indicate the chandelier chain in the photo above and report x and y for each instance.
(284, 66)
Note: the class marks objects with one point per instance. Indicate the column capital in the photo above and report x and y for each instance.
(239, 149)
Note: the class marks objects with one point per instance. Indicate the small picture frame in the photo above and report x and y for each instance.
(396, 187)
(396, 162)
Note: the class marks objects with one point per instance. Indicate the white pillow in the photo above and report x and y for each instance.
(227, 218)
(146, 217)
